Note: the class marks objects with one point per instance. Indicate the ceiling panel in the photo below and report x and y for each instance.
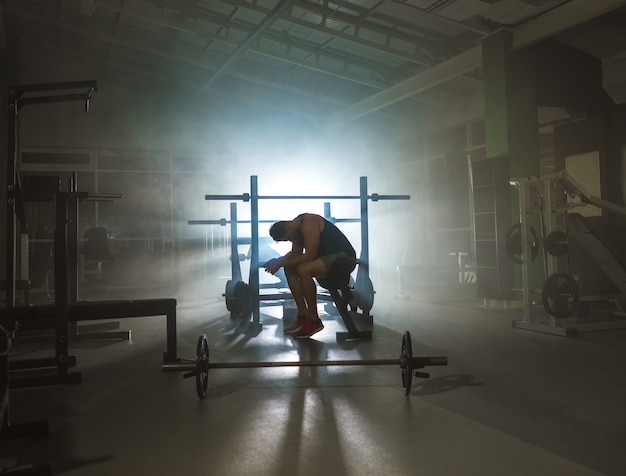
(336, 55)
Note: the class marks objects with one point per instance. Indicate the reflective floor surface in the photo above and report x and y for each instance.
(510, 401)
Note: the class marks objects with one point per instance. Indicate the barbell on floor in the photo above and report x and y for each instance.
(201, 366)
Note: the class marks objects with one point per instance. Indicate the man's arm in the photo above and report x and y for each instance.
(311, 230)
(292, 257)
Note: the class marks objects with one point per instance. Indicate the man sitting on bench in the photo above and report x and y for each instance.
(316, 245)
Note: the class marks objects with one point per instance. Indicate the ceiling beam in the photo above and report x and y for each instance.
(316, 66)
(464, 63)
(560, 19)
(356, 26)
(282, 57)
(136, 46)
(544, 26)
(433, 19)
(278, 11)
(312, 49)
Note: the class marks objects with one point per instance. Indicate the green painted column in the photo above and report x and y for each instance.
(511, 104)
(512, 138)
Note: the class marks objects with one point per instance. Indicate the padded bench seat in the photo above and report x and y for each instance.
(96, 310)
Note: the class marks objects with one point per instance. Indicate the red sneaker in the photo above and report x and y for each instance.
(295, 326)
(309, 328)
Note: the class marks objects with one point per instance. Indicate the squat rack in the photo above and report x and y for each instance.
(253, 198)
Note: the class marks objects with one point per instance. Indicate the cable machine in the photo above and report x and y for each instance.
(555, 198)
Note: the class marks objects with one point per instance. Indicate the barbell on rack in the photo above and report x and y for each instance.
(374, 197)
(202, 364)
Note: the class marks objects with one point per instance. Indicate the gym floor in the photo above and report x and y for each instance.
(510, 402)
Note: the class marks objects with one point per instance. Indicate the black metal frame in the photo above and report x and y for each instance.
(19, 96)
(9, 431)
(66, 312)
(17, 100)
(63, 315)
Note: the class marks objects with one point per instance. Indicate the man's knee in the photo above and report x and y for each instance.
(311, 269)
(291, 271)
(304, 273)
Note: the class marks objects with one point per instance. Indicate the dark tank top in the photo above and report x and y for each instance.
(332, 240)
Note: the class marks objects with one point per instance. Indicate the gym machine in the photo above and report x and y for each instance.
(10, 431)
(18, 97)
(67, 311)
(554, 198)
(63, 315)
(243, 299)
(202, 364)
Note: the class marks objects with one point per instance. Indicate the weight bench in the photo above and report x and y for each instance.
(337, 283)
(47, 316)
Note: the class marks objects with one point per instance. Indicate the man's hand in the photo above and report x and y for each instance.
(273, 265)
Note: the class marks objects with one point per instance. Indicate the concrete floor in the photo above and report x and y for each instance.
(510, 402)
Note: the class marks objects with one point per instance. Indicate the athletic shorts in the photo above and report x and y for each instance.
(328, 260)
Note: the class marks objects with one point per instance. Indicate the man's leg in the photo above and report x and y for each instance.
(306, 272)
(295, 286)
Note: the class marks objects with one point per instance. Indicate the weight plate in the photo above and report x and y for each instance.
(364, 293)
(202, 366)
(239, 299)
(513, 243)
(560, 295)
(229, 294)
(556, 243)
(406, 362)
